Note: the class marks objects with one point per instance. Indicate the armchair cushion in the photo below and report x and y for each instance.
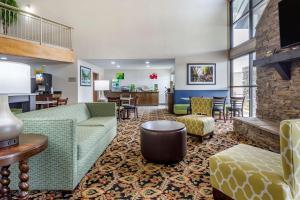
(246, 172)
(198, 124)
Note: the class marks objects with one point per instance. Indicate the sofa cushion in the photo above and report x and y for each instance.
(78, 112)
(246, 172)
(106, 122)
(88, 137)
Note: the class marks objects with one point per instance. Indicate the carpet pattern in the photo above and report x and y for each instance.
(122, 173)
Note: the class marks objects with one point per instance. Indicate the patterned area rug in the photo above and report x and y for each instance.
(122, 173)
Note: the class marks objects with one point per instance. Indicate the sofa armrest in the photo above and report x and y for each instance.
(102, 109)
(56, 167)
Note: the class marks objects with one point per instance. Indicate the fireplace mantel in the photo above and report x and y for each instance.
(281, 61)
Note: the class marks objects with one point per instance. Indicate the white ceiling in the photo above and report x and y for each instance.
(133, 64)
(138, 29)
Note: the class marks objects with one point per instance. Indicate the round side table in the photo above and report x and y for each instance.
(29, 145)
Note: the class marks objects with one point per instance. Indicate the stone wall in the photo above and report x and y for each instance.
(259, 137)
(277, 99)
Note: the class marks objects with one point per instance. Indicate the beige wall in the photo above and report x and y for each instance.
(222, 70)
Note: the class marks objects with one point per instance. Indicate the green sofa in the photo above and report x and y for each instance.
(77, 135)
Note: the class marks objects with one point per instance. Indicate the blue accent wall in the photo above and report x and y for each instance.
(197, 93)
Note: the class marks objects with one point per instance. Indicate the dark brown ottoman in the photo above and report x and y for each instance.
(163, 141)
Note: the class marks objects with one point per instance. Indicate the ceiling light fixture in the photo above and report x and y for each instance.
(3, 58)
(113, 62)
(147, 62)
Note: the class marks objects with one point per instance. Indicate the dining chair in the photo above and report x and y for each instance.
(219, 106)
(54, 104)
(119, 108)
(132, 108)
(125, 99)
(236, 107)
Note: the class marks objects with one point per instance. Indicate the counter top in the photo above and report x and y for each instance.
(31, 94)
(150, 98)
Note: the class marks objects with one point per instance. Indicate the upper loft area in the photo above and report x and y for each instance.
(29, 35)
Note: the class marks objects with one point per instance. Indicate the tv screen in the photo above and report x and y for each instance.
(289, 17)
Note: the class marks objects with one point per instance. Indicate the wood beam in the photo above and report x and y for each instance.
(14, 47)
(284, 70)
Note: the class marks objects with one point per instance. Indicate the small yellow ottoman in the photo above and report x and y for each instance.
(198, 125)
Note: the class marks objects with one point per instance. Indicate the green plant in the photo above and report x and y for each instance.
(8, 17)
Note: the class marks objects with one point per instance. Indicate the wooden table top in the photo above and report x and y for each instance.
(45, 102)
(163, 126)
(29, 145)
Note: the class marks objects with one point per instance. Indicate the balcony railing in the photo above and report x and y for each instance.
(19, 24)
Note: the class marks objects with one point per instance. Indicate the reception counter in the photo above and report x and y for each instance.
(144, 98)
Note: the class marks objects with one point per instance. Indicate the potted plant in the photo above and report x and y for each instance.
(8, 17)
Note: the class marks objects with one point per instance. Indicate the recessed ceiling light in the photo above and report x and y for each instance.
(147, 62)
(118, 66)
(113, 62)
(3, 58)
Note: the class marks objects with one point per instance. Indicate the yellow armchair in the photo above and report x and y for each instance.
(246, 172)
(200, 123)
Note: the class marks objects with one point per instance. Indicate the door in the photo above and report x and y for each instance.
(95, 93)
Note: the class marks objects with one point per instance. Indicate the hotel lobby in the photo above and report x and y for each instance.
(149, 99)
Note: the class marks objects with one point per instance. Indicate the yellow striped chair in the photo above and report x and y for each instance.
(200, 123)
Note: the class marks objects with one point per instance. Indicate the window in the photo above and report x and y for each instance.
(245, 15)
(240, 70)
(257, 13)
(239, 8)
(243, 82)
(241, 31)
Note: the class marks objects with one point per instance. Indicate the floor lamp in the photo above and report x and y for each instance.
(14, 79)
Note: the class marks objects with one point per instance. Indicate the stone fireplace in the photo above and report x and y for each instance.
(278, 88)
(277, 99)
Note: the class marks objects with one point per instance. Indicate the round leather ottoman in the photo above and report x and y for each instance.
(163, 141)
